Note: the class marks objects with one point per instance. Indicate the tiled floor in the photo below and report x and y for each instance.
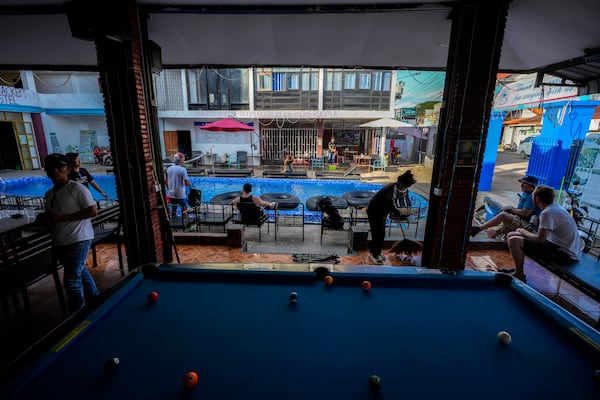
(21, 329)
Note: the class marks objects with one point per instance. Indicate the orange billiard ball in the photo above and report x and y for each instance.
(152, 297)
(328, 279)
(190, 380)
(366, 285)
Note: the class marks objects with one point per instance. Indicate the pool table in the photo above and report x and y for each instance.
(425, 333)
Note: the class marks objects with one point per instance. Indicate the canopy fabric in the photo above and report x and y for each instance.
(414, 132)
(385, 123)
(226, 125)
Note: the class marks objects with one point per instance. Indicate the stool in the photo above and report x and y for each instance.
(235, 235)
(359, 238)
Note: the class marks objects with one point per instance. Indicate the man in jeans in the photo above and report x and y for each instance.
(69, 209)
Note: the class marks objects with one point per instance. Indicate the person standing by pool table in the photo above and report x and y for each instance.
(387, 199)
(81, 175)
(69, 210)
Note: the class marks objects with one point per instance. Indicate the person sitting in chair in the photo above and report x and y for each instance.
(511, 218)
(248, 197)
(288, 160)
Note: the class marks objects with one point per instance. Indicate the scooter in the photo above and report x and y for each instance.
(578, 212)
(510, 147)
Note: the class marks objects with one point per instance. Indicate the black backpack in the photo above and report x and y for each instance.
(331, 215)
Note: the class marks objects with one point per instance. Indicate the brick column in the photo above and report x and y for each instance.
(474, 53)
(119, 31)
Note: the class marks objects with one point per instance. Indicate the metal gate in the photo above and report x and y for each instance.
(275, 143)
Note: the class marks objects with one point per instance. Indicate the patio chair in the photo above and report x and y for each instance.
(346, 218)
(380, 164)
(411, 215)
(252, 215)
(317, 163)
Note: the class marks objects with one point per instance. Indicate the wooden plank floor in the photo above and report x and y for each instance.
(22, 328)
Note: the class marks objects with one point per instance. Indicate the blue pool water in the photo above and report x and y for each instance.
(210, 187)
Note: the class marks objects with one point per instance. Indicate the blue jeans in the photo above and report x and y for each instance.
(331, 157)
(78, 282)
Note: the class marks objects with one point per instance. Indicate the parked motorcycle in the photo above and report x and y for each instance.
(572, 203)
(510, 147)
(102, 156)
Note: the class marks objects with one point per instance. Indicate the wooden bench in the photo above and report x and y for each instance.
(279, 174)
(583, 274)
(232, 173)
(24, 262)
(196, 171)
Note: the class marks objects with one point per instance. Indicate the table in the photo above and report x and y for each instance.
(428, 335)
(363, 160)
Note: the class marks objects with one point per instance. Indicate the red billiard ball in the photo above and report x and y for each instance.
(366, 285)
(190, 380)
(152, 297)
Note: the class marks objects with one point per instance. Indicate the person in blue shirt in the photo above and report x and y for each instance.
(512, 218)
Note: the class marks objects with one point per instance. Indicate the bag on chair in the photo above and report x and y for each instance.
(331, 215)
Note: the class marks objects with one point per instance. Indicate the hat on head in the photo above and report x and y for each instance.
(55, 160)
(532, 180)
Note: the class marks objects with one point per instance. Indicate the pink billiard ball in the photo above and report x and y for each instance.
(153, 297)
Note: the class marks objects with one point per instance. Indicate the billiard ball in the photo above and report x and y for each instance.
(152, 297)
(504, 337)
(366, 285)
(293, 297)
(375, 383)
(190, 380)
(329, 279)
(111, 364)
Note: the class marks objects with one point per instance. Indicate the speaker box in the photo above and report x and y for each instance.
(89, 20)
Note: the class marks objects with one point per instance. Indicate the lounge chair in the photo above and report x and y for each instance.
(252, 215)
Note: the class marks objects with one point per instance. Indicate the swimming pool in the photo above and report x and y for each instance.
(210, 187)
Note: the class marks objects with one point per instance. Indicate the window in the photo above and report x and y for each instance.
(334, 81)
(387, 81)
(278, 81)
(350, 81)
(264, 81)
(217, 89)
(377, 80)
(293, 81)
(365, 81)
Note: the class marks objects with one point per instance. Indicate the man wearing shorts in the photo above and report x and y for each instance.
(556, 239)
(511, 218)
(177, 180)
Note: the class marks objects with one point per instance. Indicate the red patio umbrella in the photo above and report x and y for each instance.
(226, 125)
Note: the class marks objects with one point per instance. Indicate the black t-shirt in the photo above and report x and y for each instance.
(83, 177)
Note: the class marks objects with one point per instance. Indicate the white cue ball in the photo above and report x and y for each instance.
(504, 337)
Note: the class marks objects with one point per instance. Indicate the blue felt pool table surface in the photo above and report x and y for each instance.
(425, 334)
